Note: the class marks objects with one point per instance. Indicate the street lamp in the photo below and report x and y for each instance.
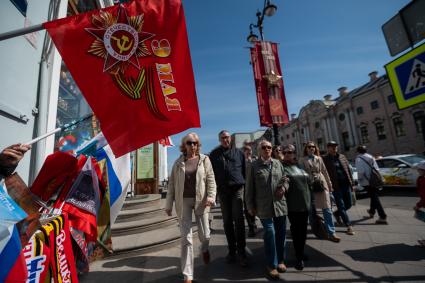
(268, 10)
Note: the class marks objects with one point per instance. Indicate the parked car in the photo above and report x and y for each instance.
(398, 170)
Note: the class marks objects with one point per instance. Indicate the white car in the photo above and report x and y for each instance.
(398, 170)
(357, 187)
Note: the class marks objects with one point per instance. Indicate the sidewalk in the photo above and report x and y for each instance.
(376, 253)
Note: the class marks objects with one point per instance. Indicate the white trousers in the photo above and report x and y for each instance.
(187, 261)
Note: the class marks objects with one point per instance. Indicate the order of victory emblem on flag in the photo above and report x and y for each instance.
(132, 64)
(120, 41)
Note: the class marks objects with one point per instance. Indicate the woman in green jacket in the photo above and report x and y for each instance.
(298, 198)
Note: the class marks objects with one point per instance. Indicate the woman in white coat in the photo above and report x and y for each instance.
(192, 187)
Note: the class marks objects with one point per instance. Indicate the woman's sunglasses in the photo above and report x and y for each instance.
(189, 143)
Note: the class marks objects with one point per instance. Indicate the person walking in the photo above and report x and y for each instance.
(265, 198)
(192, 188)
(277, 152)
(365, 163)
(298, 199)
(229, 170)
(250, 219)
(322, 186)
(342, 183)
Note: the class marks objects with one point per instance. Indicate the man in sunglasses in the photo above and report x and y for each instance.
(229, 170)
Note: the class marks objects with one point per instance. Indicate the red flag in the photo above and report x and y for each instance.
(271, 99)
(132, 64)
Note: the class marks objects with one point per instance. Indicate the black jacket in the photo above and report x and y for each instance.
(229, 168)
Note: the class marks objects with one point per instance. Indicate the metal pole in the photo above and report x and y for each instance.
(19, 32)
(66, 126)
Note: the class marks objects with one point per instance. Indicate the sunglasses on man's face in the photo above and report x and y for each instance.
(189, 143)
(264, 147)
(225, 137)
(288, 152)
(311, 146)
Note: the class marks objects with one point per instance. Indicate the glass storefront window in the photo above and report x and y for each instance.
(71, 103)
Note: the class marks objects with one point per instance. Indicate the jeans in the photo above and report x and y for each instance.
(344, 202)
(298, 221)
(375, 203)
(274, 240)
(327, 217)
(186, 257)
(329, 223)
(231, 203)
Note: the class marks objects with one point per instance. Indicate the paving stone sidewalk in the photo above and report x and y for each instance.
(376, 253)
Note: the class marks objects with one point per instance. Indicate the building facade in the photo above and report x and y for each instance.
(366, 115)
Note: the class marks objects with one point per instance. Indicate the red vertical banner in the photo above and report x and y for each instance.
(272, 107)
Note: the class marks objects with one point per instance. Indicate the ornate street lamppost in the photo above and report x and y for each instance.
(272, 78)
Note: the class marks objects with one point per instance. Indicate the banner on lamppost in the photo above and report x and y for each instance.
(272, 107)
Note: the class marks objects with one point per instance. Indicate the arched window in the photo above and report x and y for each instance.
(398, 126)
(380, 131)
(419, 117)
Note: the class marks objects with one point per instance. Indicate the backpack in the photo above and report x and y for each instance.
(375, 180)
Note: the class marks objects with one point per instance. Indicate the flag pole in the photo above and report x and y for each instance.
(21, 31)
(64, 127)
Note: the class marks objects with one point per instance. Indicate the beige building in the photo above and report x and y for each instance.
(366, 115)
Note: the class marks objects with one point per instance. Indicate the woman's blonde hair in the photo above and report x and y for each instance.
(184, 140)
(316, 148)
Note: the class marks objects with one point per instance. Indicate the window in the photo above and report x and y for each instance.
(364, 134)
(302, 131)
(399, 127)
(388, 163)
(359, 110)
(380, 131)
(341, 117)
(293, 135)
(346, 141)
(374, 104)
(391, 98)
(317, 125)
(419, 121)
(287, 137)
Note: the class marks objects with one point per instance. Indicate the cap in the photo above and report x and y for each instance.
(420, 165)
(330, 143)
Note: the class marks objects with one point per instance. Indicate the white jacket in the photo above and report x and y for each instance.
(205, 185)
(363, 169)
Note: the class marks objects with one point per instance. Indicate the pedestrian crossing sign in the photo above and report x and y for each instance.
(407, 77)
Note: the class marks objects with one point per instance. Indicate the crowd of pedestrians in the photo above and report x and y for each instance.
(274, 187)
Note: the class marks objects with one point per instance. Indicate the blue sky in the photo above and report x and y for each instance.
(323, 45)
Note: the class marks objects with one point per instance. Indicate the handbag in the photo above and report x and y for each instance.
(375, 180)
(318, 186)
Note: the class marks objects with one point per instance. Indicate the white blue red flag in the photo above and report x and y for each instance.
(10, 243)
